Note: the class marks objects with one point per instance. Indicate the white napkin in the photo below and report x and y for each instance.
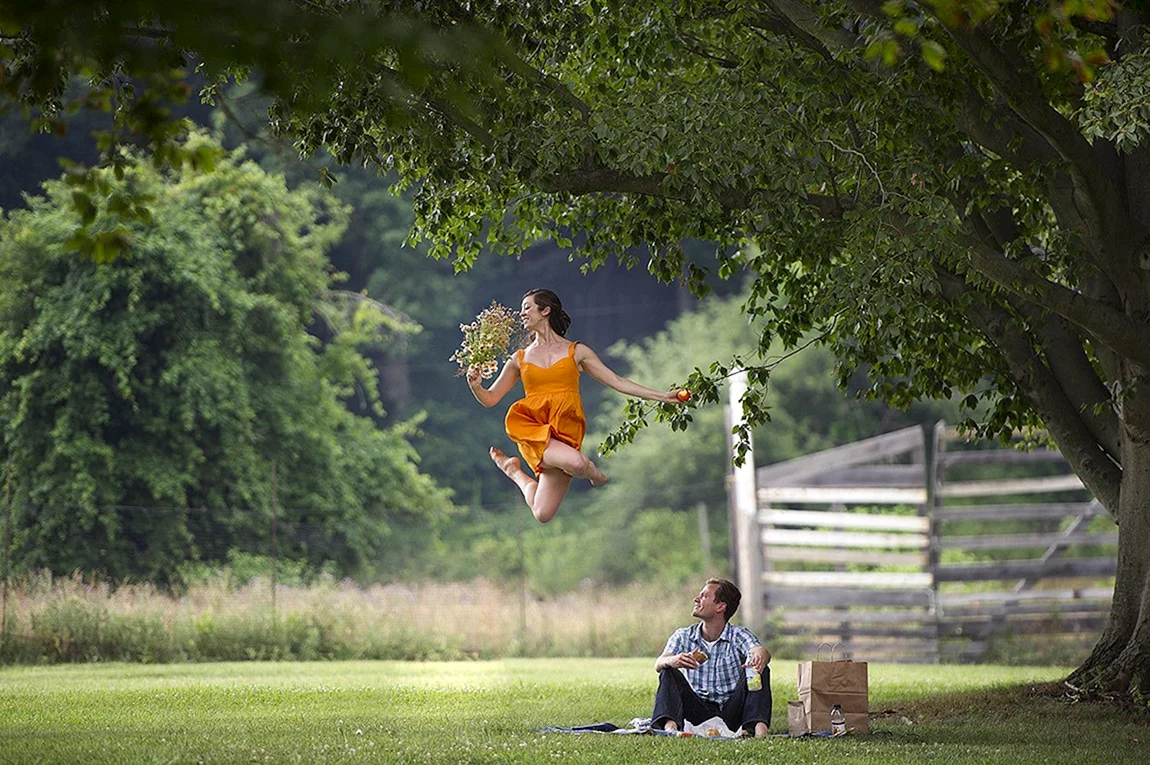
(715, 723)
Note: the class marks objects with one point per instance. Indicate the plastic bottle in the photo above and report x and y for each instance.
(754, 680)
(838, 721)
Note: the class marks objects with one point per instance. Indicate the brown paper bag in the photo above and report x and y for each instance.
(796, 719)
(822, 684)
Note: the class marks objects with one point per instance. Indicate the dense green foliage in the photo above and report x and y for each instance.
(782, 135)
(490, 711)
(146, 403)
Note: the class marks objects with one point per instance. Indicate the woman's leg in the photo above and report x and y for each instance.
(553, 485)
(513, 469)
(571, 461)
(543, 496)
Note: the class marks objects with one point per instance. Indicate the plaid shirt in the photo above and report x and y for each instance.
(716, 679)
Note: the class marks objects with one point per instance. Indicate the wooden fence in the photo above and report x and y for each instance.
(905, 550)
(1059, 541)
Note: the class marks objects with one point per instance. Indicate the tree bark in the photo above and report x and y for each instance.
(1120, 661)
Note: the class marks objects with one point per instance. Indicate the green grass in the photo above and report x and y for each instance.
(488, 712)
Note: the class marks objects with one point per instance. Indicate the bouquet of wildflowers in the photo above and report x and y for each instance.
(487, 340)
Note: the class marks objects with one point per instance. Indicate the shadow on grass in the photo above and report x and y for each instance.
(1035, 713)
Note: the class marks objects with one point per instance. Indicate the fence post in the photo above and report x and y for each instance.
(732, 501)
(745, 507)
(7, 551)
(275, 552)
(935, 469)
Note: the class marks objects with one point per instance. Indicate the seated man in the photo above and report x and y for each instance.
(717, 686)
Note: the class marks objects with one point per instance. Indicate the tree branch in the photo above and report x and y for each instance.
(443, 108)
(1002, 132)
(1107, 324)
(694, 45)
(148, 32)
(509, 58)
(1101, 475)
(1007, 73)
(1076, 376)
(468, 125)
(594, 179)
(1096, 286)
(808, 28)
(1107, 30)
(1092, 199)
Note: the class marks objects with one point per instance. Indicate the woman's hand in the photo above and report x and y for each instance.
(503, 383)
(675, 396)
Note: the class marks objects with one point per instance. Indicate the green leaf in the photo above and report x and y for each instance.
(934, 55)
(82, 203)
(906, 27)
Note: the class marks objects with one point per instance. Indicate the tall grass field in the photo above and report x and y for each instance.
(490, 711)
(72, 619)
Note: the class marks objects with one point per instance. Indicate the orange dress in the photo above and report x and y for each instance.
(550, 409)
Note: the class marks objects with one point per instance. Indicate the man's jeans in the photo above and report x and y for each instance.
(676, 700)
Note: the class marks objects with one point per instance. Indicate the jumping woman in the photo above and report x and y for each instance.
(548, 422)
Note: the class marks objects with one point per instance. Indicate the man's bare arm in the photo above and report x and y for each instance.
(676, 661)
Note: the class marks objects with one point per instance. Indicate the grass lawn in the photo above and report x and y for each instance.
(488, 712)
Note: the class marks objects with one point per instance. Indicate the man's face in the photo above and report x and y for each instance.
(705, 605)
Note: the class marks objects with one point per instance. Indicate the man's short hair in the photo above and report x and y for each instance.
(727, 593)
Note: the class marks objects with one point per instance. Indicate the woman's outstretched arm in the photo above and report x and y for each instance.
(506, 380)
(590, 363)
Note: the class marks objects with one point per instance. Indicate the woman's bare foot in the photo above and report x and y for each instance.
(508, 464)
(596, 476)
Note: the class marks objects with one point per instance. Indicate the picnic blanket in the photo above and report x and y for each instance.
(715, 726)
(642, 726)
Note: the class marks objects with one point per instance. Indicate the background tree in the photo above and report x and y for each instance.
(146, 402)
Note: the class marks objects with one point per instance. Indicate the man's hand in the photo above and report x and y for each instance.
(758, 657)
(676, 661)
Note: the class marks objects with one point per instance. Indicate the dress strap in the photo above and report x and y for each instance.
(571, 350)
(519, 355)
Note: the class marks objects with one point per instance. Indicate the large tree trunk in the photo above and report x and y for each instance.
(1120, 662)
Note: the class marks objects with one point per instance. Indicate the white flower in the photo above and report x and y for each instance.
(487, 340)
